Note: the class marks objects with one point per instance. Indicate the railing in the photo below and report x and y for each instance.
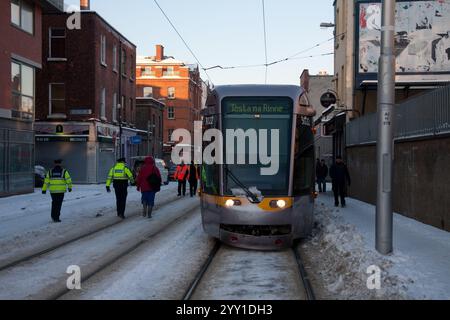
(423, 116)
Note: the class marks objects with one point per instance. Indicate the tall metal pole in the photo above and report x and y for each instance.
(385, 146)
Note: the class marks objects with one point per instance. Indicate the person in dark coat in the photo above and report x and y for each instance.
(148, 183)
(193, 178)
(340, 178)
(321, 175)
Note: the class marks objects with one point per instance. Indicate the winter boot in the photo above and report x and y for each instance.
(150, 209)
(144, 213)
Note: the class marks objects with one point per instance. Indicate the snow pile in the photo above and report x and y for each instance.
(341, 255)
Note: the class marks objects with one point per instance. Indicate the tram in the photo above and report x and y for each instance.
(261, 194)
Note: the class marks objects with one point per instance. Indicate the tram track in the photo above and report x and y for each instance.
(131, 217)
(302, 275)
(94, 262)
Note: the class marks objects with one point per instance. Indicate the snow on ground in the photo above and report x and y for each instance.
(251, 275)
(25, 222)
(342, 249)
(45, 276)
(161, 269)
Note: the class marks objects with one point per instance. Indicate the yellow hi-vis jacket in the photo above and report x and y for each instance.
(57, 181)
(119, 172)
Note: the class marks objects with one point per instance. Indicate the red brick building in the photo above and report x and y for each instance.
(20, 57)
(85, 103)
(178, 85)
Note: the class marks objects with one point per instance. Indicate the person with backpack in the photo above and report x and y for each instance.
(181, 175)
(148, 183)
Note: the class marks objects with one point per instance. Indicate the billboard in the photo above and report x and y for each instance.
(422, 43)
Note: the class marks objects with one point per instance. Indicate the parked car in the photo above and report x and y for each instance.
(39, 176)
(172, 169)
(160, 164)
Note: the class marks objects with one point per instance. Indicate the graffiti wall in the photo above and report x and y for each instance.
(422, 36)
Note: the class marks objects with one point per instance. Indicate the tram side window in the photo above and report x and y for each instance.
(210, 179)
(304, 158)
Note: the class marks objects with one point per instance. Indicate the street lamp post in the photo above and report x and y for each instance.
(150, 130)
(385, 146)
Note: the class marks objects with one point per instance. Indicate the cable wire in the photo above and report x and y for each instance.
(265, 37)
(184, 41)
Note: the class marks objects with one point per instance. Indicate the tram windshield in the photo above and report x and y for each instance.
(252, 115)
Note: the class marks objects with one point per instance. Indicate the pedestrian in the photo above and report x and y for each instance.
(193, 178)
(148, 183)
(321, 175)
(340, 178)
(58, 182)
(181, 175)
(119, 175)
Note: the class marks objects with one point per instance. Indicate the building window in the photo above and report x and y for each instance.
(124, 63)
(22, 83)
(124, 109)
(22, 15)
(114, 107)
(132, 68)
(103, 104)
(57, 98)
(148, 92)
(171, 113)
(57, 44)
(115, 58)
(147, 72)
(171, 93)
(103, 50)
(131, 111)
(169, 72)
(170, 131)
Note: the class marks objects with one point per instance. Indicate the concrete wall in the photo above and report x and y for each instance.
(421, 179)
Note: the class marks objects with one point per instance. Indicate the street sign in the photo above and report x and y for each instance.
(328, 99)
(136, 140)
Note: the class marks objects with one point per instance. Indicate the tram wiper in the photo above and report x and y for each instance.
(250, 194)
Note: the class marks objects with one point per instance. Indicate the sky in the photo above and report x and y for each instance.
(229, 33)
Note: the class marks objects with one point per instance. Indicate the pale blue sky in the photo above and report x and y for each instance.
(229, 33)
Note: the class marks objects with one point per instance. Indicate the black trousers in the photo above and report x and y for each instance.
(193, 187)
(121, 190)
(57, 201)
(339, 192)
(182, 187)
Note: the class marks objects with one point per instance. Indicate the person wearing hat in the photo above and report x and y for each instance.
(119, 175)
(58, 182)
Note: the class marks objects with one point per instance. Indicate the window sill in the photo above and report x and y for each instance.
(115, 71)
(103, 119)
(103, 64)
(56, 59)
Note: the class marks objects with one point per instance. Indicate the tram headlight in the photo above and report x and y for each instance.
(278, 204)
(229, 203)
(281, 204)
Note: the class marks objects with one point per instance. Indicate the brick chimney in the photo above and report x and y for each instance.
(159, 52)
(85, 5)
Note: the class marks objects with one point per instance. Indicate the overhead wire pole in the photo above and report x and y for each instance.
(385, 146)
(265, 38)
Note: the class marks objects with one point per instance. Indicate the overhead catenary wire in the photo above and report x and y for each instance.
(265, 37)
(292, 57)
(184, 41)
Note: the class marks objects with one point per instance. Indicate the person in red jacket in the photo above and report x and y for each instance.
(181, 175)
(148, 183)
